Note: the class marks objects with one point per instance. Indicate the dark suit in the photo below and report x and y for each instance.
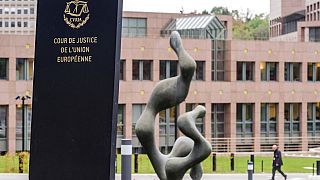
(277, 163)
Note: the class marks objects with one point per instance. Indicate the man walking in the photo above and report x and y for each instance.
(277, 162)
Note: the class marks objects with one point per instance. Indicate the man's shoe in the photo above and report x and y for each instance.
(285, 177)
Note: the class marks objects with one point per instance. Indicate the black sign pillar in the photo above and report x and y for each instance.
(75, 90)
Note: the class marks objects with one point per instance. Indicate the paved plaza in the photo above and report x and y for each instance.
(206, 177)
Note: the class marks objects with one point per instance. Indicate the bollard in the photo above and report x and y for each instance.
(252, 160)
(232, 162)
(21, 162)
(250, 170)
(318, 168)
(262, 166)
(214, 162)
(136, 165)
(126, 156)
(313, 169)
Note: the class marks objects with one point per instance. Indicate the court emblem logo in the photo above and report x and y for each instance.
(76, 14)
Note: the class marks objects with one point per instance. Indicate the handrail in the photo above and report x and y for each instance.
(251, 144)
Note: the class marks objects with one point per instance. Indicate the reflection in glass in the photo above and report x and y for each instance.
(4, 68)
(218, 120)
(3, 121)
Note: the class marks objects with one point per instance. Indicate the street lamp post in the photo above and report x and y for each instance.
(24, 141)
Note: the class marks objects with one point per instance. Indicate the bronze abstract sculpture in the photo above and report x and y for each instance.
(188, 151)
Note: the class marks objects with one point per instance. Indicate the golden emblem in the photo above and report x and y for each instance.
(76, 13)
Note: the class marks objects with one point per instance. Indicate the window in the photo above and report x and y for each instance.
(13, 10)
(24, 69)
(137, 110)
(121, 119)
(19, 11)
(269, 71)
(27, 130)
(1, 24)
(313, 72)
(4, 62)
(3, 121)
(218, 120)
(168, 119)
(292, 119)
(3, 128)
(292, 72)
(6, 10)
(13, 24)
(142, 70)
(269, 120)
(245, 71)
(244, 120)
(1, 11)
(122, 69)
(25, 24)
(292, 25)
(313, 119)
(199, 121)
(19, 24)
(32, 10)
(25, 11)
(6, 24)
(218, 60)
(168, 69)
(314, 34)
(134, 27)
(200, 71)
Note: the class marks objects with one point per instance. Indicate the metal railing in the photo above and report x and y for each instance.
(264, 144)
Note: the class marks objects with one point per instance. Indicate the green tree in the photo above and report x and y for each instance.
(245, 24)
(220, 11)
(205, 12)
(256, 28)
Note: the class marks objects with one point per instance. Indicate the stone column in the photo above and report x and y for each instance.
(11, 128)
(207, 122)
(208, 74)
(304, 72)
(257, 72)
(11, 138)
(306, 34)
(304, 126)
(128, 122)
(128, 70)
(257, 128)
(157, 133)
(280, 72)
(156, 70)
(280, 125)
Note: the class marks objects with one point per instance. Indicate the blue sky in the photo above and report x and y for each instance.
(256, 6)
